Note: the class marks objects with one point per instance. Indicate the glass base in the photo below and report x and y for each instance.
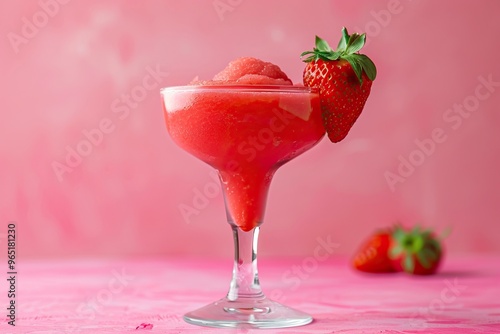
(260, 313)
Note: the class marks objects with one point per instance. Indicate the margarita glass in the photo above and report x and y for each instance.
(246, 132)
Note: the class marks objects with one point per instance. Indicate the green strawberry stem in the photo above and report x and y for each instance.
(347, 49)
(415, 243)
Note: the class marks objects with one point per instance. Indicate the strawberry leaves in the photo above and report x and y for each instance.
(322, 45)
(417, 251)
(347, 49)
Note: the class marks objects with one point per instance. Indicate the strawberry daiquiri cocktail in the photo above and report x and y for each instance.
(245, 131)
(246, 123)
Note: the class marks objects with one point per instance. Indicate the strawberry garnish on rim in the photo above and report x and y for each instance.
(343, 77)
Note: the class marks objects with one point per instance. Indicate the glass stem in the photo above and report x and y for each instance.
(245, 282)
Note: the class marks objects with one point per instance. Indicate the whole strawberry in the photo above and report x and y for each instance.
(415, 251)
(344, 79)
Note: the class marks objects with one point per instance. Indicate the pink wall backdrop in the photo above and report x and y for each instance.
(84, 76)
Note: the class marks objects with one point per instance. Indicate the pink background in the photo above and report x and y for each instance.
(68, 77)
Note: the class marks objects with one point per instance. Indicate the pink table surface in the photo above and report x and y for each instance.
(116, 296)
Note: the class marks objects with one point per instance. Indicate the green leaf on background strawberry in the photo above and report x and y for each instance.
(343, 78)
(415, 251)
(396, 249)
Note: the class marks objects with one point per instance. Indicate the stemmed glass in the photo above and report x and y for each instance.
(246, 132)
